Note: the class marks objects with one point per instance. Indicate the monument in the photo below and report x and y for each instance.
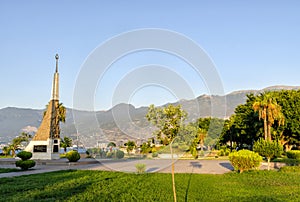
(46, 142)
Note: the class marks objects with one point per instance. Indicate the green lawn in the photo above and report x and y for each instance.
(7, 170)
(114, 186)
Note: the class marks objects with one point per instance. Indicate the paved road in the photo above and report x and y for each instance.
(157, 165)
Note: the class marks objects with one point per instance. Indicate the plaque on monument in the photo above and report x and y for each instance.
(40, 148)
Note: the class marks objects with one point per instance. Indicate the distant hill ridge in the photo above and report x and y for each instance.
(114, 124)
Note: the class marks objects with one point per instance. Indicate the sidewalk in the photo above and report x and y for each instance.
(124, 165)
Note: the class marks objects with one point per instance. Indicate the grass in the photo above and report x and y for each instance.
(8, 170)
(87, 185)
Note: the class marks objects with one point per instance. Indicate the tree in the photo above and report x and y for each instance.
(17, 142)
(65, 142)
(289, 133)
(111, 144)
(145, 148)
(202, 133)
(269, 111)
(168, 120)
(268, 149)
(61, 112)
(6, 150)
(130, 146)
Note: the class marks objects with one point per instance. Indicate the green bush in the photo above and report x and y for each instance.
(119, 154)
(140, 168)
(24, 155)
(290, 169)
(224, 151)
(244, 160)
(109, 155)
(73, 156)
(25, 164)
(268, 149)
(293, 154)
(154, 154)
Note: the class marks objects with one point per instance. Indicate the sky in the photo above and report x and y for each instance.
(252, 44)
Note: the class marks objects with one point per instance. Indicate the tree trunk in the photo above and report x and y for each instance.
(173, 173)
(265, 125)
(269, 163)
(269, 133)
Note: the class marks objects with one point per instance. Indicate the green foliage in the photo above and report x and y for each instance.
(140, 168)
(66, 142)
(293, 154)
(73, 156)
(130, 145)
(168, 120)
(26, 164)
(92, 185)
(154, 154)
(146, 148)
(109, 155)
(269, 111)
(8, 170)
(290, 169)
(245, 127)
(111, 144)
(119, 154)
(224, 151)
(245, 160)
(16, 142)
(24, 155)
(268, 149)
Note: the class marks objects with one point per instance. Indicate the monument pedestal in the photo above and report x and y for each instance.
(44, 150)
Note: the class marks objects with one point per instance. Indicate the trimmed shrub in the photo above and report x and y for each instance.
(244, 160)
(25, 164)
(154, 154)
(268, 149)
(140, 168)
(224, 151)
(73, 156)
(109, 155)
(293, 154)
(24, 155)
(119, 154)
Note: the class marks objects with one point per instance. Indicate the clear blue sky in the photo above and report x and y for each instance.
(254, 44)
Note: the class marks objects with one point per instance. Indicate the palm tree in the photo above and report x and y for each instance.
(202, 133)
(61, 112)
(66, 142)
(6, 150)
(269, 111)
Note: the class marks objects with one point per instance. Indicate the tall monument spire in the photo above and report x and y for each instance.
(55, 85)
(45, 143)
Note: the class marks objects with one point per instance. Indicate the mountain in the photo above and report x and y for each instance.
(122, 122)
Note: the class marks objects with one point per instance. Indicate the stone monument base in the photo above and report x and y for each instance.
(44, 150)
